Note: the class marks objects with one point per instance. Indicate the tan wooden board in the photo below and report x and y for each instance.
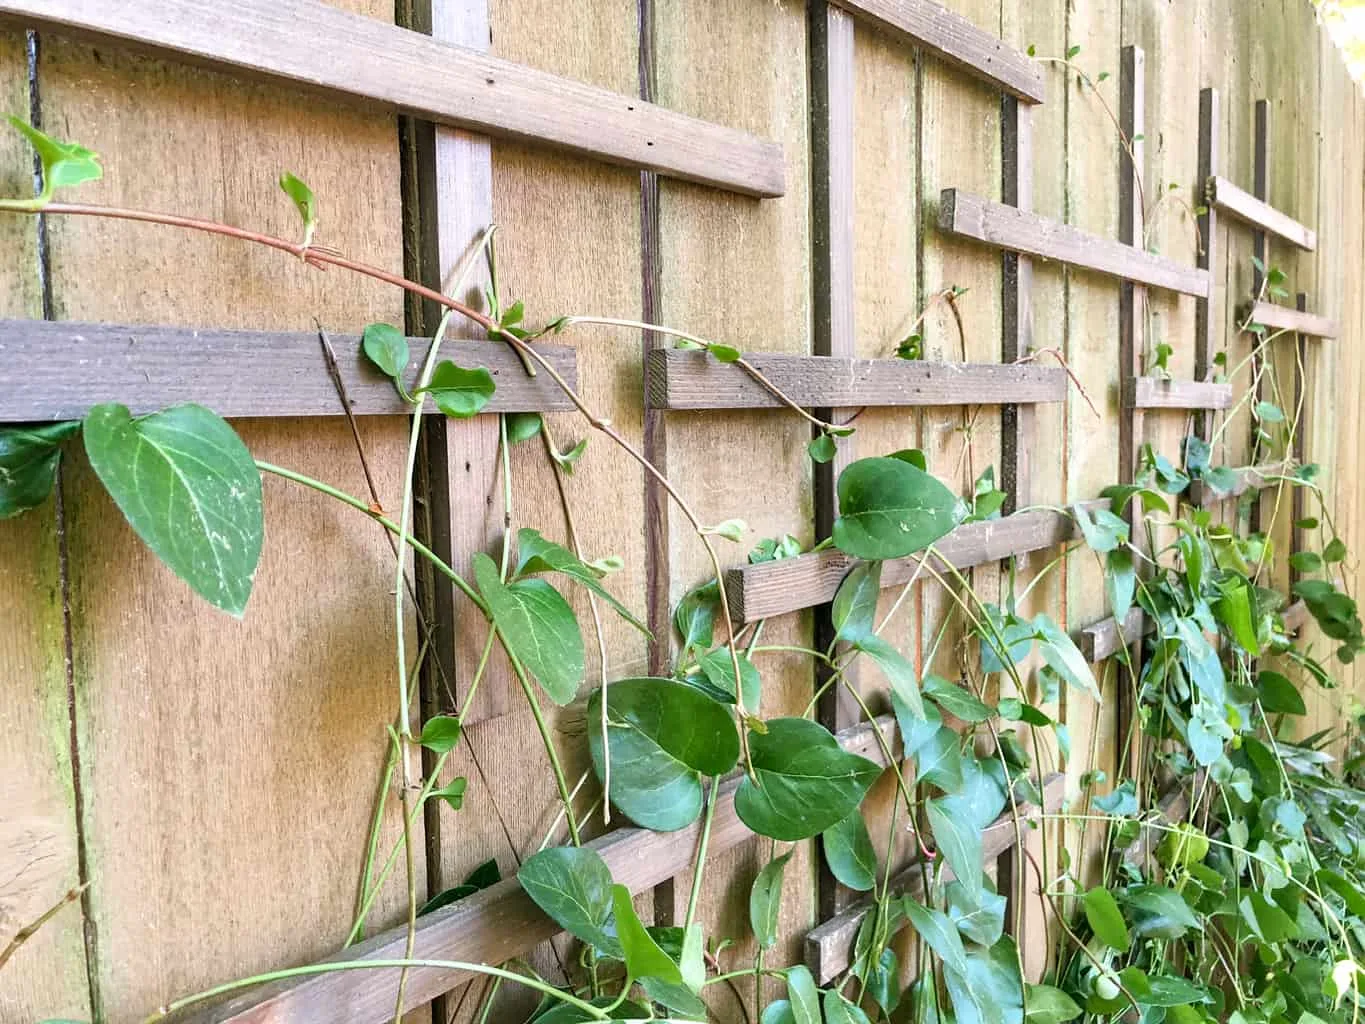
(1285, 318)
(1107, 637)
(1165, 393)
(314, 46)
(1241, 204)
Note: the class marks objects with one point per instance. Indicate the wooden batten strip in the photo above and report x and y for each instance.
(1249, 478)
(1159, 393)
(1295, 617)
(829, 946)
(1239, 203)
(315, 45)
(1285, 318)
(807, 581)
(494, 925)
(695, 380)
(54, 370)
(1106, 638)
(1007, 227)
(952, 38)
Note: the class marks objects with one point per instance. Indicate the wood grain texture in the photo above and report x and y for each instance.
(695, 380)
(829, 946)
(1286, 318)
(954, 40)
(1007, 227)
(775, 588)
(311, 44)
(494, 925)
(1107, 637)
(1237, 202)
(51, 371)
(210, 749)
(1164, 393)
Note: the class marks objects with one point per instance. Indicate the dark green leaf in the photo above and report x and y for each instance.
(385, 346)
(805, 997)
(938, 760)
(1278, 695)
(849, 853)
(959, 843)
(979, 915)
(765, 901)
(1106, 920)
(955, 700)
(1049, 1005)
(522, 426)
(990, 991)
(913, 456)
(644, 958)
(29, 457)
(1234, 612)
(695, 617)
(1335, 551)
(538, 627)
(889, 509)
(719, 669)
(664, 736)
(822, 449)
(938, 932)
(1120, 581)
(806, 781)
(1159, 912)
(898, 671)
(460, 393)
(189, 488)
(839, 1010)
(573, 885)
(855, 603)
(441, 734)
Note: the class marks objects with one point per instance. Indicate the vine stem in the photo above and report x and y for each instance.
(695, 896)
(29, 930)
(544, 988)
(561, 781)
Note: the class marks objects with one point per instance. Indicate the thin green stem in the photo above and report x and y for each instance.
(699, 870)
(565, 797)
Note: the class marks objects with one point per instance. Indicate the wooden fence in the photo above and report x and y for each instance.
(801, 183)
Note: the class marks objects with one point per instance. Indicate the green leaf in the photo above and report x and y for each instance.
(1335, 551)
(1120, 581)
(938, 932)
(955, 700)
(889, 509)
(663, 736)
(567, 460)
(822, 449)
(305, 202)
(979, 916)
(765, 901)
(1063, 656)
(723, 353)
(65, 164)
(1073, 52)
(1279, 695)
(385, 346)
(806, 781)
(1159, 912)
(855, 602)
(644, 958)
(457, 392)
(850, 854)
(695, 617)
(959, 843)
(1049, 1005)
(566, 1013)
(452, 792)
(839, 1010)
(692, 962)
(732, 530)
(440, 734)
(805, 997)
(779, 1011)
(938, 760)
(535, 554)
(719, 669)
(1269, 412)
(990, 991)
(573, 886)
(1233, 610)
(1106, 920)
(29, 457)
(522, 426)
(538, 627)
(189, 488)
(1103, 530)
(898, 671)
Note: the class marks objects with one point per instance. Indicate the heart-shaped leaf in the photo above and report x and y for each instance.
(849, 853)
(29, 457)
(664, 736)
(979, 916)
(458, 392)
(644, 958)
(807, 782)
(1105, 918)
(889, 509)
(189, 488)
(573, 885)
(538, 627)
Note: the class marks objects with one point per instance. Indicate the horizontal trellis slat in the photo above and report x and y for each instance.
(1105, 639)
(55, 370)
(791, 584)
(1285, 318)
(1241, 204)
(1007, 227)
(491, 926)
(829, 946)
(1159, 393)
(314, 44)
(952, 38)
(1248, 478)
(678, 379)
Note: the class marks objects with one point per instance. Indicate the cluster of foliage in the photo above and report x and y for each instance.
(1250, 909)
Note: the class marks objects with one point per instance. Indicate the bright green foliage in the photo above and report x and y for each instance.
(64, 164)
(536, 555)
(458, 392)
(849, 853)
(29, 457)
(440, 734)
(889, 509)
(305, 202)
(538, 627)
(385, 346)
(574, 887)
(189, 488)
(765, 901)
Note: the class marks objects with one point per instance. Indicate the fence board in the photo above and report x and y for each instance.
(1285, 318)
(1238, 203)
(1163, 393)
(308, 43)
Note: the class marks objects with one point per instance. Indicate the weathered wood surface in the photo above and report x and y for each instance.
(829, 946)
(1163, 393)
(1007, 227)
(51, 371)
(1246, 478)
(311, 44)
(775, 588)
(1238, 203)
(494, 925)
(1107, 637)
(1286, 318)
(954, 40)
(695, 380)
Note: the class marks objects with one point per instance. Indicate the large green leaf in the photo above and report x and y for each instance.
(839, 1010)
(29, 457)
(957, 820)
(189, 488)
(573, 885)
(889, 509)
(1279, 695)
(855, 603)
(1159, 912)
(990, 990)
(765, 901)
(663, 735)
(850, 854)
(805, 997)
(1063, 656)
(806, 781)
(979, 916)
(938, 932)
(718, 667)
(535, 554)
(938, 760)
(1106, 920)
(644, 958)
(1049, 1005)
(960, 845)
(538, 627)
